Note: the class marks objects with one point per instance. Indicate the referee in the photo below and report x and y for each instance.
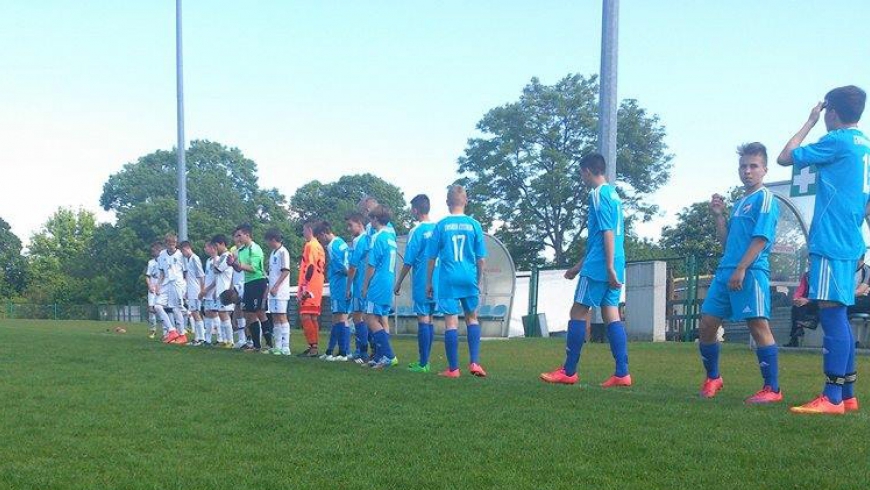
(250, 260)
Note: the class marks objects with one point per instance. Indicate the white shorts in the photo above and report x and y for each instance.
(152, 299)
(171, 296)
(194, 304)
(215, 305)
(278, 306)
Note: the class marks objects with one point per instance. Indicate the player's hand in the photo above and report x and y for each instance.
(717, 205)
(800, 302)
(397, 290)
(571, 273)
(274, 291)
(348, 295)
(612, 279)
(735, 283)
(816, 113)
(430, 291)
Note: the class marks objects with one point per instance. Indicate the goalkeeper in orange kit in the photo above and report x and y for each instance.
(311, 280)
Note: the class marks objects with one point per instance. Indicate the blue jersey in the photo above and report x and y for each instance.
(338, 256)
(417, 258)
(358, 257)
(457, 242)
(382, 257)
(605, 214)
(371, 232)
(842, 160)
(754, 216)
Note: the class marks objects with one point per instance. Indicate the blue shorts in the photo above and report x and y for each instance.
(753, 301)
(832, 280)
(357, 305)
(455, 306)
(596, 294)
(426, 308)
(341, 306)
(379, 310)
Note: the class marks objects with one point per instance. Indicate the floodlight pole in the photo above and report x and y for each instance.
(607, 103)
(181, 146)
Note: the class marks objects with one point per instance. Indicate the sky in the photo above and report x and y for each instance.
(320, 89)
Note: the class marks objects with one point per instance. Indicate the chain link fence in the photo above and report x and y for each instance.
(112, 313)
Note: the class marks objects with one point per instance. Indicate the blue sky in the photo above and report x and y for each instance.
(318, 89)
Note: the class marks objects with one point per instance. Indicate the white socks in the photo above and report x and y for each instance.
(204, 326)
(164, 318)
(226, 327)
(282, 340)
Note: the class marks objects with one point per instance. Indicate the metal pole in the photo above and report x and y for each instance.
(182, 166)
(607, 102)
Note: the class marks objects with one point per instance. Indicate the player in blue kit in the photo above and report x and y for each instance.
(356, 226)
(741, 288)
(337, 263)
(417, 260)
(378, 287)
(458, 246)
(602, 272)
(842, 161)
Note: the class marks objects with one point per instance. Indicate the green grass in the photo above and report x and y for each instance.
(85, 408)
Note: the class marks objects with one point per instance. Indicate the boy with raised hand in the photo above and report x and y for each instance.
(355, 276)
(740, 290)
(279, 290)
(152, 276)
(223, 282)
(311, 279)
(378, 287)
(416, 259)
(195, 283)
(172, 288)
(601, 272)
(251, 261)
(458, 246)
(337, 253)
(842, 161)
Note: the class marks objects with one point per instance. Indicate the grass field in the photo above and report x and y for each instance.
(85, 408)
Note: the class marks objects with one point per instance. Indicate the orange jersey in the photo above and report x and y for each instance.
(314, 256)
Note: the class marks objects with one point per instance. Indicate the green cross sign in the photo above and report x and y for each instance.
(803, 181)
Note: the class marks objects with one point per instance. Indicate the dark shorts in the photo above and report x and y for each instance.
(255, 296)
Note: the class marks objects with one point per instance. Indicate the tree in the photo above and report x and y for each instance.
(524, 171)
(13, 276)
(333, 201)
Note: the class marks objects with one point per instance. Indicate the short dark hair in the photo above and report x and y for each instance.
(848, 102)
(594, 162)
(750, 149)
(321, 228)
(380, 214)
(244, 228)
(355, 217)
(219, 239)
(156, 245)
(421, 203)
(185, 244)
(274, 234)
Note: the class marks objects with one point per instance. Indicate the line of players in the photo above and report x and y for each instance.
(739, 291)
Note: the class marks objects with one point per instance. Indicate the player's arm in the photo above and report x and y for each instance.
(351, 274)
(285, 273)
(410, 258)
(370, 272)
(717, 207)
(149, 284)
(571, 273)
(785, 157)
(430, 272)
(481, 265)
(609, 253)
(402, 274)
(735, 283)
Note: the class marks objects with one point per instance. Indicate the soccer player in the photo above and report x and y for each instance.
(602, 272)
(378, 287)
(172, 289)
(741, 287)
(152, 276)
(311, 279)
(457, 244)
(208, 298)
(223, 282)
(842, 161)
(239, 285)
(353, 288)
(416, 259)
(194, 277)
(279, 290)
(251, 261)
(337, 264)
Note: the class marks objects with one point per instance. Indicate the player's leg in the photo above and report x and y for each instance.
(268, 326)
(716, 306)
(381, 334)
(310, 329)
(584, 300)
(362, 333)
(451, 309)
(469, 307)
(176, 302)
(617, 339)
(226, 326)
(831, 284)
(424, 338)
(342, 334)
(334, 334)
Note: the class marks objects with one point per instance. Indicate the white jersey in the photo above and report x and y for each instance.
(194, 276)
(209, 278)
(279, 262)
(152, 273)
(223, 275)
(173, 268)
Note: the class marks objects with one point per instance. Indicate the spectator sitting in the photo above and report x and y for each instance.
(862, 289)
(804, 313)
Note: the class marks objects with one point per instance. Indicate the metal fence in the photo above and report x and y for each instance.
(114, 313)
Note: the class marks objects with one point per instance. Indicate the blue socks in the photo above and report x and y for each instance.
(710, 358)
(425, 336)
(768, 362)
(574, 344)
(382, 344)
(618, 347)
(334, 338)
(344, 337)
(474, 343)
(362, 338)
(838, 346)
(851, 372)
(451, 348)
